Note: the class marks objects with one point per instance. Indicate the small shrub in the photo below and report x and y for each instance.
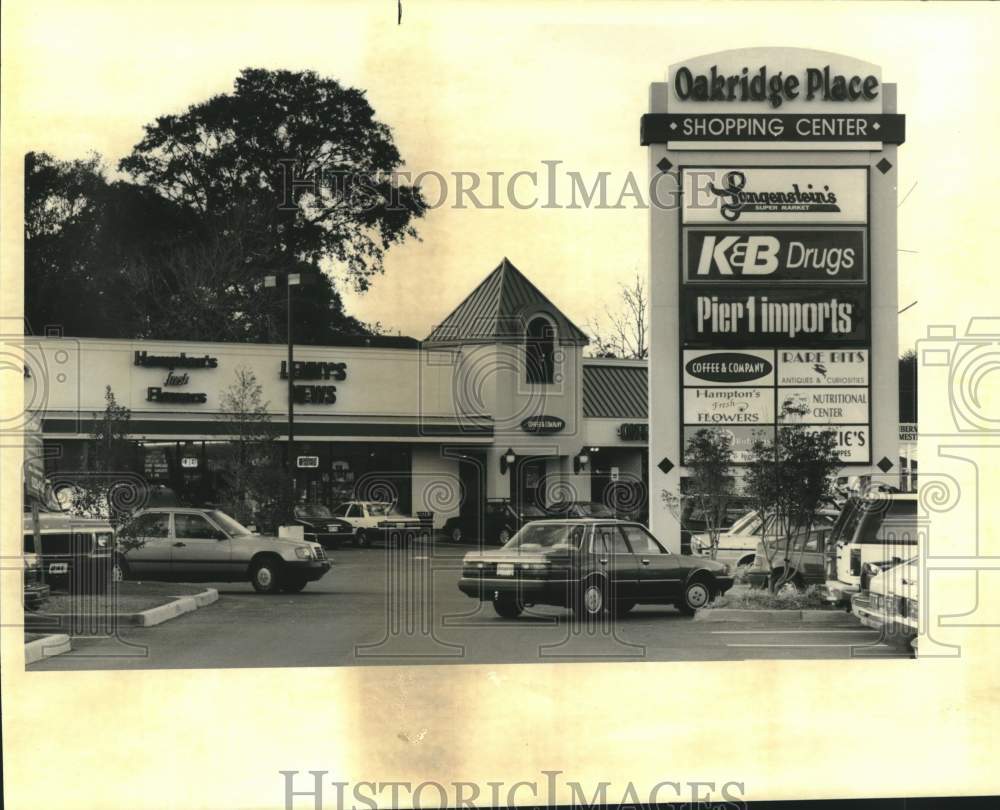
(813, 598)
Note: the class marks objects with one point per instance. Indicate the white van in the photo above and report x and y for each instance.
(877, 530)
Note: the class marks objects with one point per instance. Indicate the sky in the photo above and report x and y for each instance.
(504, 87)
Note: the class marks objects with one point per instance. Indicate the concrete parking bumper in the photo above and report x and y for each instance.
(776, 616)
(46, 647)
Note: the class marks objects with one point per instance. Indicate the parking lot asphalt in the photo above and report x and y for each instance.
(381, 607)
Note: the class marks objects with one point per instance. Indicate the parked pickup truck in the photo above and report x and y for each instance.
(890, 603)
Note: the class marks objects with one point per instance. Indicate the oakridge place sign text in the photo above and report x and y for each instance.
(774, 282)
(775, 89)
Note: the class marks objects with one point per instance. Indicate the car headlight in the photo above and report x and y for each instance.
(103, 540)
(303, 553)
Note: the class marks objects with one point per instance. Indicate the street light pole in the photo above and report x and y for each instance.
(289, 450)
(291, 280)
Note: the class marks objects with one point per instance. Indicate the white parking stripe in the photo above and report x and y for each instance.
(867, 646)
(770, 632)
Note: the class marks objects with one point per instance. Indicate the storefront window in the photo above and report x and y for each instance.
(539, 351)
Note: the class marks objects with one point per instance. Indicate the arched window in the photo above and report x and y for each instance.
(539, 350)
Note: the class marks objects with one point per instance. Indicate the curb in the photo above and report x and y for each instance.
(777, 616)
(156, 615)
(42, 648)
(171, 610)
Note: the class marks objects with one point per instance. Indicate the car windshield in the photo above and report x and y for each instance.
(744, 523)
(231, 526)
(313, 510)
(382, 509)
(547, 535)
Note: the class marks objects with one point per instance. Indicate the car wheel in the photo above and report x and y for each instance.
(592, 601)
(508, 606)
(504, 536)
(362, 540)
(119, 569)
(697, 594)
(266, 576)
(294, 584)
(456, 534)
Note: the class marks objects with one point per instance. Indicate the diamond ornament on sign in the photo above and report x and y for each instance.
(883, 165)
(665, 466)
(664, 165)
(884, 465)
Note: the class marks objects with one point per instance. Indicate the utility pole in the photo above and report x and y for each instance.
(290, 280)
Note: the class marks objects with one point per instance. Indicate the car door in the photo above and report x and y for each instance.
(661, 575)
(146, 543)
(612, 556)
(201, 550)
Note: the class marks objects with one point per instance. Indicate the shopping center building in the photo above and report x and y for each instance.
(497, 402)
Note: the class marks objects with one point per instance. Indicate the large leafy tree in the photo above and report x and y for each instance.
(302, 155)
(290, 172)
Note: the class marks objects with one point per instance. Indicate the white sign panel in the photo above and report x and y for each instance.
(755, 195)
(822, 366)
(826, 406)
(728, 406)
(743, 367)
(853, 443)
(741, 439)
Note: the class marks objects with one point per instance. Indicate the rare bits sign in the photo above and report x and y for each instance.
(763, 195)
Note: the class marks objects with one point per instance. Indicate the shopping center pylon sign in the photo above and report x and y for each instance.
(772, 256)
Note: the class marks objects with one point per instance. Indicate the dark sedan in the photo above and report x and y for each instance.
(321, 526)
(593, 566)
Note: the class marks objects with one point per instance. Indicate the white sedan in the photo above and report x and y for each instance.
(378, 520)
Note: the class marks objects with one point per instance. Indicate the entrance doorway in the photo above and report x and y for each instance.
(528, 487)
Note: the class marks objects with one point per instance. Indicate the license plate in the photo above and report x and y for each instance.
(333, 528)
(505, 569)
(58, 568)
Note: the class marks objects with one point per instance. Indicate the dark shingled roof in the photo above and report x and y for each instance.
(497, 310)
(615, 391)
